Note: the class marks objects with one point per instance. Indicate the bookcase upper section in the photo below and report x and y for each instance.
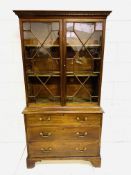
(62, 55)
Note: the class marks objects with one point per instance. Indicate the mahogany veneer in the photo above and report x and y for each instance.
(62, 55)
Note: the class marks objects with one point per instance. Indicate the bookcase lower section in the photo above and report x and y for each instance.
(95, 161)
(63, 135)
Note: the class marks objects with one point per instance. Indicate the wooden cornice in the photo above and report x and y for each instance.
(48, 13)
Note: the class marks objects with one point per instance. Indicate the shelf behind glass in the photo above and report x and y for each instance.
(76, 100)
(82, 74)
(68, 74)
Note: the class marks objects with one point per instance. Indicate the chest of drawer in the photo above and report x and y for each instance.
(63, 119)
(42, 133)
(58, 148)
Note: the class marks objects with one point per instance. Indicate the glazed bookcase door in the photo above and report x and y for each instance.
(83, 57)
(42, 60)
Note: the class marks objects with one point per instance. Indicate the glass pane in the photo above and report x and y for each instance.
(83, 60)
(42, 56)
(80, 60)
(98, 26)
(44, 93)
(52, 39)
(42, 46)
(84, 31)
(82, 89)
(95, 39)
(26, 26)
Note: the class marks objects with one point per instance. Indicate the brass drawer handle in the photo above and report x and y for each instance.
(81, 119)
(80, 134)
(45, 134)
(81, 149)
(46, 149)
(45, 118)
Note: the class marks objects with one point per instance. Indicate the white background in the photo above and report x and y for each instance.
(116, 90)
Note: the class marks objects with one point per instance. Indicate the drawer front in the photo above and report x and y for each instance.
(65, 119)
(63, 148)
(44, 133)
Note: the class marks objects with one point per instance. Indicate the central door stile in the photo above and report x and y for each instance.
(63, 62)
